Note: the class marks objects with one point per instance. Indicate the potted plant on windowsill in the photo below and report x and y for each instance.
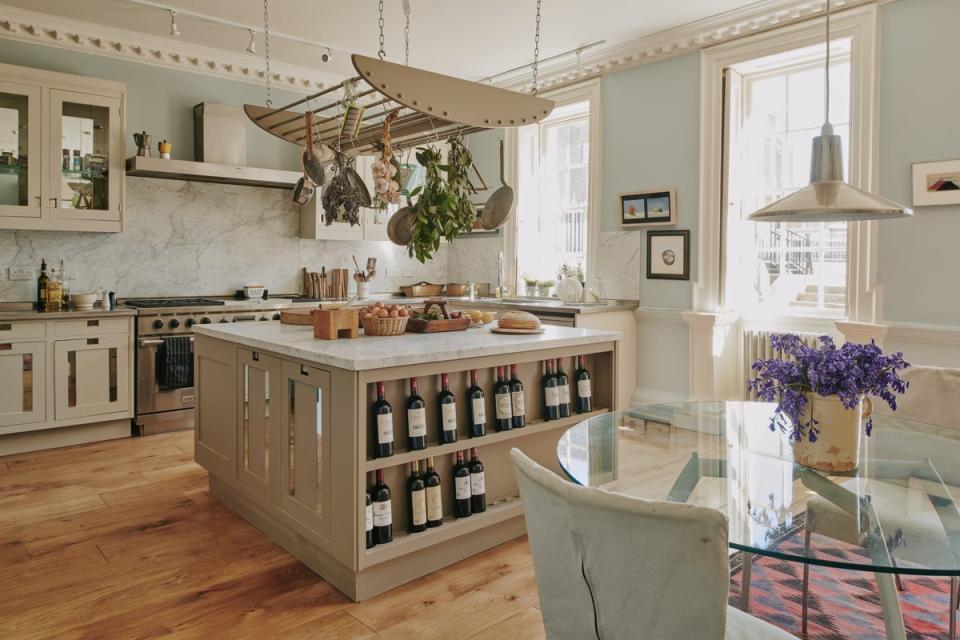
(823, 396)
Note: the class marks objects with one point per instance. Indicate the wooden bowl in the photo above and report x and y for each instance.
(384, 326)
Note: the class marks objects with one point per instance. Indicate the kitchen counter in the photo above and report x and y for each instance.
(534, 305)
(374, 352)
(25, 311)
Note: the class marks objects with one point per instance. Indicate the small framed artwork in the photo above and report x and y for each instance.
(936, 183)
(648, 208)
(668, 255)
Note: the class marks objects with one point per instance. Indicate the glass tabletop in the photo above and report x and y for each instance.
(896, 514)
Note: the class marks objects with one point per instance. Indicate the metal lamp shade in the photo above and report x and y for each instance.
(828, 197)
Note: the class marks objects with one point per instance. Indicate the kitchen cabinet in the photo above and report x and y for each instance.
(91, 376)
(258, 460)
(61, 165)
(22, 397)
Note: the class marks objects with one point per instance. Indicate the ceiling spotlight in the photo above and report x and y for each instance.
(327, 56)
(174, 29)
(252, 47)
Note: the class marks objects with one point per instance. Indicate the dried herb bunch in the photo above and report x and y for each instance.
(340, 200)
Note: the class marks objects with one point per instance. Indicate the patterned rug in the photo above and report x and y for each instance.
(843, 605)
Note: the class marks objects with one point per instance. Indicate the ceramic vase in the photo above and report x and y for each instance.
(837, 448)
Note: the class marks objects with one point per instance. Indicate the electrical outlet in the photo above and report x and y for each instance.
(21, 273)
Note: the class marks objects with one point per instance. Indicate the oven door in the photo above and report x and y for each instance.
(150, 397)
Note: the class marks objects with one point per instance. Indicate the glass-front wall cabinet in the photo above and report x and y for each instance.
(20, 128)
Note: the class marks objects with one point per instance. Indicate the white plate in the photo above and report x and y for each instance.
(516, 331)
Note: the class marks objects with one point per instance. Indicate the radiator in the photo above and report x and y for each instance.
(756, 346)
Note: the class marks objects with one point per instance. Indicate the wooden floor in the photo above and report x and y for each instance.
(121, 540)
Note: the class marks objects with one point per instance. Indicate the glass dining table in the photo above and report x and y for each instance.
(897, 513)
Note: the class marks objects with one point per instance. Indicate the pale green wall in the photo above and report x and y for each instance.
(919, 122)
(161, 100)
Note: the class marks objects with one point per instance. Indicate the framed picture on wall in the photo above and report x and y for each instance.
(655, 208)
(668, 255)
(936, 183)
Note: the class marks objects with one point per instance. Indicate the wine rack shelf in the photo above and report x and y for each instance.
(534, 427)
(404, 542)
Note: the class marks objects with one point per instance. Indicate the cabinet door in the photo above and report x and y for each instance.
(91, 376)
(22, 370)
(259, 442)
(313, 224)
(304, 431)
(85, 156)
(20, 151)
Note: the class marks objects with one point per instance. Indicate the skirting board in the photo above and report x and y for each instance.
(27, 441)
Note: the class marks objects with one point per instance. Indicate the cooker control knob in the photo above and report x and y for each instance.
(191, 322)
(174, 323)
(222, 320)
(276, 316)
(158, 324)
(204, 320)
(264, 318)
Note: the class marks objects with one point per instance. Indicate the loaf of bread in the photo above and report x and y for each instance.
(518, 320)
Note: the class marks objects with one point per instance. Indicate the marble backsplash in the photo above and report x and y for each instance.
(188, 238)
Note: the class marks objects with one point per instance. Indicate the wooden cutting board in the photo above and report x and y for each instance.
(303, 317)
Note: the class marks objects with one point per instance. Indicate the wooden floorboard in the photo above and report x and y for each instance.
(121, 539)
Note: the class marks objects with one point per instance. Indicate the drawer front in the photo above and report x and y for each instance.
(19, 330)
(91, 327)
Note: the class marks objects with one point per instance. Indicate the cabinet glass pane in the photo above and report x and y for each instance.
(84, 148)
(13, 149)
(27, 382)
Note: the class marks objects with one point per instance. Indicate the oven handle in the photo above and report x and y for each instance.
(146, 342)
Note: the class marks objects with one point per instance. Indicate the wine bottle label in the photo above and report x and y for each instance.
(564, 390)
(434, 504)
(479, 411)
(462, 484)
(519, 407)
(552, 395)
(449, 414)
(417, 422)
(385, 428)
(418, 500)
(583, 388)
(382, 514)
(369, 524)
(503, 406)
(478, 486)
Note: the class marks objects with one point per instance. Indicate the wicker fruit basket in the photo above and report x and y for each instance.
(384, 326)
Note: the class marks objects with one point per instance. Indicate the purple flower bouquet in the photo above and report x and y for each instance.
(849, 372)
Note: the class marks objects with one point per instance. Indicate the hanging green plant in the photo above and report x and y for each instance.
(443, 208)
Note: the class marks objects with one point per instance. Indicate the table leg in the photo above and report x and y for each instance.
(954, 585)
(890, 602)
(747, 559)
(806, 583)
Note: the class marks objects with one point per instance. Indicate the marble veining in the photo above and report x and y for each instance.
(618, 264)
(374, 352)
(474, 259)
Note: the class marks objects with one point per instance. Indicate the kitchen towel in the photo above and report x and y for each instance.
(175, 363)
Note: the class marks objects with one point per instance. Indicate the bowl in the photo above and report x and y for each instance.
(456, 289)
(83, 300)
(253, 291)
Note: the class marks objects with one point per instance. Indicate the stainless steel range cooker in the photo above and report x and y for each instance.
(164, 336)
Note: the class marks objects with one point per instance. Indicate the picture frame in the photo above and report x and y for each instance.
(936, 183)
(649, 208)
(668, 254)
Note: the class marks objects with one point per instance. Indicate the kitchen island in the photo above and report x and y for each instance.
(285, 429)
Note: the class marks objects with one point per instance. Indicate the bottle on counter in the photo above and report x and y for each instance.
(476, 407)
(382, 510)
(478, 484)
(368, 523)
(563, 389)
(42, 282)
(54, 291)
(502, 402)
(417, 500)
(416, 419)
(448, 411)
(461, 487)
(517, 402)
(383, 414)
(584, 386)
(551, 394)
(434, 495)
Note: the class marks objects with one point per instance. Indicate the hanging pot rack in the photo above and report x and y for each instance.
(430, 106)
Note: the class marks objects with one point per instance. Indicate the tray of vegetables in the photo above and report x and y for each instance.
(434, 318)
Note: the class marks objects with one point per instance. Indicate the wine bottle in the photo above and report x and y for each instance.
(434, 496)
(461, 485)
(551, 394)
(478, 484)
(368, 526)
(477, 407)
(563, 387)
(518, 405)
(417, 500)
(382, 511)
(584, 386)
(383, 414)
(42, 281)
(416, 419)
(448, 411)
(501, 396)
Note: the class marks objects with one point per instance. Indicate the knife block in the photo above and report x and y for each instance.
(330, 324)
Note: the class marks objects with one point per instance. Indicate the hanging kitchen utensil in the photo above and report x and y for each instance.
(352, 112)
(400, 226)
(497, 208)
(313, 161)
(304, 191)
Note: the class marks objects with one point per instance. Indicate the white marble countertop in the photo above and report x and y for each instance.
(24, 311)
(375, 352)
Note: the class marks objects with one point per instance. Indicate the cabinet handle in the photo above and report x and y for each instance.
(6, 327)
(256, 356)
(6, 347)
(53, 202)
(304, 371)
(93, 323)
(93, 340)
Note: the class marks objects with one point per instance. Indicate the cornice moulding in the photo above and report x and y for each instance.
(74, 35)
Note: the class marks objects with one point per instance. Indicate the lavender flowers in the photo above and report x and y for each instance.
(849, 372)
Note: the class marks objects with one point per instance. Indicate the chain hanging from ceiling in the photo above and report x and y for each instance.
(406, 33)
(266, 46)
(536, 49)
(381, 53)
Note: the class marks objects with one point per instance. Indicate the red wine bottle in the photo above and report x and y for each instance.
(478, 484)
(551, 394)
(448, 411)
(434, 496)
(584, 386)
(417, 500)
(517, 403)
(563, 386)
(368, 523)
(501, 397)
(416, 419)
(461, 486)
(476, 407)
(383, 414)
(382, 511)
